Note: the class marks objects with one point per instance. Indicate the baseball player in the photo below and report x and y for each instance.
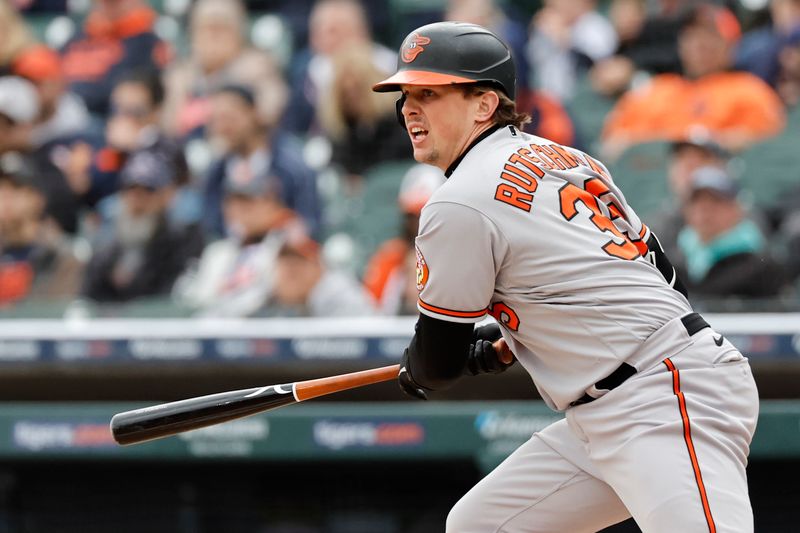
(660, 409)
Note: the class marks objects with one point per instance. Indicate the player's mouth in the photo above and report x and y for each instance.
(417, 134)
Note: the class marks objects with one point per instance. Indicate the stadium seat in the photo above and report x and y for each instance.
(641, 173)
(771, 167)
(372, 216)
(588, 110)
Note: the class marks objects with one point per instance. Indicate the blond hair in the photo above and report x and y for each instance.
(14, 34)
(354, 74)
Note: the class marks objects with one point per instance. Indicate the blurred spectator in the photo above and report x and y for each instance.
(549, 119)
(144, 253)
(133, 124)
(788, 84)
(567, 37)
(685, 157)
(390, 275)
(252, 148)
(647, 43)
(305, 286)
(219, 55)
(360, 123)
(63, 115)
(14, 36)
(736, 108)
(36, 260)
(116, 37)
(19, 109)
(723, 253)
(234, 276)
(759, 50)
(333, 25)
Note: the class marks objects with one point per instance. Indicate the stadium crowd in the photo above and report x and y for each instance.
(228, 158)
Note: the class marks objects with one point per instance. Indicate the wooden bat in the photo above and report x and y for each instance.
(157, 421)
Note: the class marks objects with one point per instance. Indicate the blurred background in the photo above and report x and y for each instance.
(198, 196)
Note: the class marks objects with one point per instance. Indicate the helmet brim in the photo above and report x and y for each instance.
(417, 77)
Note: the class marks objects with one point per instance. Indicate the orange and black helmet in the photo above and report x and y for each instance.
(446, 53)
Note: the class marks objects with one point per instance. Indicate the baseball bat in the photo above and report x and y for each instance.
(157, 421)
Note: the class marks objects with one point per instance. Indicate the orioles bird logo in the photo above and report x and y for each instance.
(422, 270)
(414, 47)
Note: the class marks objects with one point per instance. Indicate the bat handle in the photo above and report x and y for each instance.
(305, 390)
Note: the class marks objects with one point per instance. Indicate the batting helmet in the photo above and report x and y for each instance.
(452, 52)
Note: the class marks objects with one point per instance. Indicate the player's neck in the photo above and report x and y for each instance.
(480, 132)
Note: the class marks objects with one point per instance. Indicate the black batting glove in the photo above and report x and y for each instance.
(483, 359)
(489, 332)
(406, 380)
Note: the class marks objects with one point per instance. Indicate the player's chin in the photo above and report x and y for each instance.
(428, 156)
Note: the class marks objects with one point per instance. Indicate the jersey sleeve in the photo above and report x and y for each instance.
(459, 251)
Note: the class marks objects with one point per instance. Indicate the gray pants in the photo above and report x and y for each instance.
(668, 447)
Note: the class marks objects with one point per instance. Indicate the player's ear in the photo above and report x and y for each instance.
(487, 104)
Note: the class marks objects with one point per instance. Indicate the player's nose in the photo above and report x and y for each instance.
(410, 107)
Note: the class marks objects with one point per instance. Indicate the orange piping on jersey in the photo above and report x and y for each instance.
(450, 312)
(687, 436)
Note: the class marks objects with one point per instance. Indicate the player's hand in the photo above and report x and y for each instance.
(486, 357)
(406, 381)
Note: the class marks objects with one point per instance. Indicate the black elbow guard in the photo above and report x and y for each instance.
(660, 260)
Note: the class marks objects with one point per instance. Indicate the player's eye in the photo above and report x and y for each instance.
(427, 93)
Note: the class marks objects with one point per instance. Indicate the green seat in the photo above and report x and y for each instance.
(770, 168)
(372, 216)
(641, 174)
(588, 111)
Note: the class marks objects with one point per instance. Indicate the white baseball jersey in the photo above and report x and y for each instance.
(537, 235)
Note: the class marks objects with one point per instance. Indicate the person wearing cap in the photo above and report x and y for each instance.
(305, 286)
(538, 236)
(63, 115)
(249, 145)
(736, 108)
(389, 272)
(234, 276)
(724, 254)
(144, 252)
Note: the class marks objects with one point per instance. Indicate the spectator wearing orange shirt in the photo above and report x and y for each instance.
(390, 274)
(736, 108)
(116, 37)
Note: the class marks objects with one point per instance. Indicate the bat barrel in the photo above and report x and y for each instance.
(148, 423)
